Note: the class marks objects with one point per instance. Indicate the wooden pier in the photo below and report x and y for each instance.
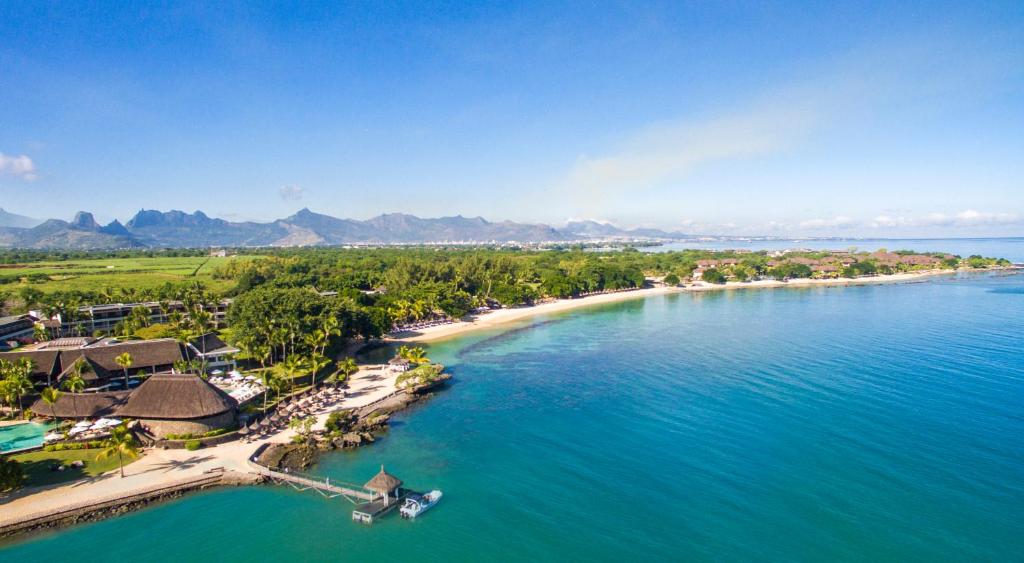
(370, 504)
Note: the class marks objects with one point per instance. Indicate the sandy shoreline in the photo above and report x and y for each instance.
(503, 316)
(160, 468)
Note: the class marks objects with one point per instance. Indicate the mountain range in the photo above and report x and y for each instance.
(177, 229)
(8, 219)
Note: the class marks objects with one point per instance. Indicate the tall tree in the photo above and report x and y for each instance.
(125, 361)
(120, 443)
(50, 396)
(75, 383)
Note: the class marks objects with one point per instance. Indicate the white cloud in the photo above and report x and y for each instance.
(671, 150)
(972, 217)
(837, 222)
(291, 192)
(20, 166)
(966, 218)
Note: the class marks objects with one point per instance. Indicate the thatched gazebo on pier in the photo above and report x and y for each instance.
(384, 483)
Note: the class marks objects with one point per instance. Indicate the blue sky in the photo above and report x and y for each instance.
(741, 118)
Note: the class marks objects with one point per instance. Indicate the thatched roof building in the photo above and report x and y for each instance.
(56, 363)
(180, 404)
(148, 355)
(82, 405)
(383, 482)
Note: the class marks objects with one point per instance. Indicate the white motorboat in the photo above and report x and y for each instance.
(418, 504)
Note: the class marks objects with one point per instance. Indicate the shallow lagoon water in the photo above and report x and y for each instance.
(855, 423)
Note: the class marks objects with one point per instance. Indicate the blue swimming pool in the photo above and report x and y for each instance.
(21, 436)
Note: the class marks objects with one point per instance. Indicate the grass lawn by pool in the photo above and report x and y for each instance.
(37, 466)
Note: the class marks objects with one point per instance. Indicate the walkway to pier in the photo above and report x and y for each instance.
(322, 485)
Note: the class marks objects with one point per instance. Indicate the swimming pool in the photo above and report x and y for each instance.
(21, 436)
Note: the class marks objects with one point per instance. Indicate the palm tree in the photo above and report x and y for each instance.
(19, 383)
(269, 380)
(317, 362)
(50, 396)
(294, 366)
(74, 382)
(125, 361)
(122, 444)
(347, 368)
(414, 354)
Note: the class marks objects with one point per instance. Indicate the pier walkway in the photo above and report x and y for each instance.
(322, 485)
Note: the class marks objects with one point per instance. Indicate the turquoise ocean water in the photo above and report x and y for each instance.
(873, 423)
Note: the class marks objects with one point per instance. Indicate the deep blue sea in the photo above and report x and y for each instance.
(871, 423)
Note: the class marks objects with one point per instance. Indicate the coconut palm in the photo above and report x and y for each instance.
(317, 362)
(74, 383)
(414, 354)
(347, 368)
(18, 383)
(270, 381)
(50, 396)
(294, 366)
(125, 361)
(122, 444)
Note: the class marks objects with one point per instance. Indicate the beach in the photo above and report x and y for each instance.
(498, 317)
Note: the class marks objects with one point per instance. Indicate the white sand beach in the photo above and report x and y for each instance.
(501, 316)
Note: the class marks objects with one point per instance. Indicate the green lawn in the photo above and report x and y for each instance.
(37, 466)
(93, 275)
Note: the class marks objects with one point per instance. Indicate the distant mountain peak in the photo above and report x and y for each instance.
(8, 219)
(85, 221)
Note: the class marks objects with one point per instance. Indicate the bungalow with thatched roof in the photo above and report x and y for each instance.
(180, 404)
(54, 363)
(45, 364)
(82, 405)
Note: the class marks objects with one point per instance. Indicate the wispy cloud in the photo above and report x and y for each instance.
(838, 222)
(963, 219)
(291, 192)
(837, 94)
(671, 150)
(20, 166)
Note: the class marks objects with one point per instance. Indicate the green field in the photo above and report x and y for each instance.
(94, 275)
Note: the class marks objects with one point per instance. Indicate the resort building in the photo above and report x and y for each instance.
(55, 360)
(92, 318)
(15, 327)
(213, 352)
(179, 404)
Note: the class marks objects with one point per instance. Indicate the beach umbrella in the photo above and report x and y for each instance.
(275, 417)
(265, 422)
(243, 431)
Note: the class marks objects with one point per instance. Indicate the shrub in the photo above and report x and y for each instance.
(671, 279)
(12, 475)
(193, 445)
(713, 275)
(66, 446)
(421, 375)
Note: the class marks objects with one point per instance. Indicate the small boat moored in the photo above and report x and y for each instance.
(418, 504)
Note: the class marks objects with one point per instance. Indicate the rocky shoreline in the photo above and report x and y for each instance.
(347, 429)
